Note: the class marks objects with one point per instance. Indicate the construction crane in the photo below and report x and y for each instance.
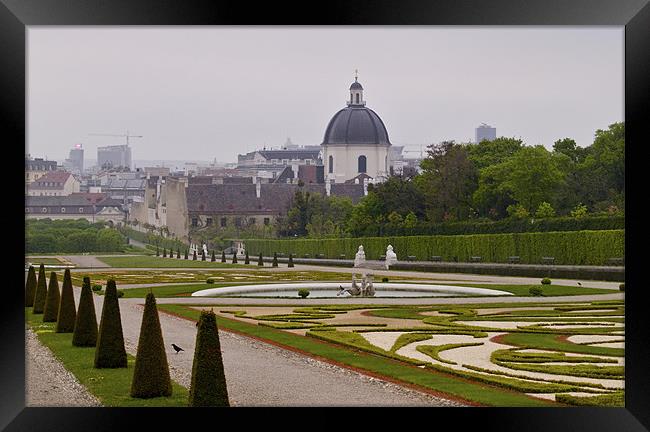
(127, 136)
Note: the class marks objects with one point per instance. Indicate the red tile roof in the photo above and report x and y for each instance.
(52, 180)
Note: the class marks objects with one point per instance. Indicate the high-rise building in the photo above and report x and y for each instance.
(114, 156)
(485, 132)
(75, 162)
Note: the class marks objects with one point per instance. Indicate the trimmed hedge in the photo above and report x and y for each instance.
(30, 287)
(41, 291)
(85, 326)
(52, 300)
(567, 247)
(208, 385)
(67, 314)
(110, 352)
(591, 223)
(151, 374)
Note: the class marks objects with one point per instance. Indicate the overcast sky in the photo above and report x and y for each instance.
(213, 92)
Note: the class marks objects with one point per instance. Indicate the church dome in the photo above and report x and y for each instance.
(356, 125)
(356, 86)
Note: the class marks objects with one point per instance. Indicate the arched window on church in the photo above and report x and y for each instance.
(362, 164)
(331, 164)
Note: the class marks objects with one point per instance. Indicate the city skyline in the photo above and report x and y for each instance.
(206, 93)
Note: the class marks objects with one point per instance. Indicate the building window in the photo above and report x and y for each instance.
(357, 97)
(81, 209)
(362, 164)
(330, 165)
(238, 222)
(224, 222)
(195, 222)
(208, 221)
(267, 221)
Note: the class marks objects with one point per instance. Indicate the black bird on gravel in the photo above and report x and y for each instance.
(579, 284)
(177, 348)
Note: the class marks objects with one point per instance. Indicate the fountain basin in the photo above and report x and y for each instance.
(330, 289)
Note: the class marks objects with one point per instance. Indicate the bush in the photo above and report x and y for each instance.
(30, 287)
(157, 251)
(208, 384)
(234, 258)
(536, 291)
(545, 210)
(223, 256)
(260, 261)
(151, 372)
(85, 326)
(41, 291)
(209, 280)
(213, 258)
(67, 313)
(52, 300)
(621, 287)
(164, 253)
(384, 279)
(290, 260)
(178, 253)
(97, 287)
(275, 259)
(186, 254)
(203, 257)
(546, 281)
(194, 256)
(303, 293)
(110, 352)
(247, 259)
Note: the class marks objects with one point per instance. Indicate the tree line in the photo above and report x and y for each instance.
(72, 236)
(497, 180)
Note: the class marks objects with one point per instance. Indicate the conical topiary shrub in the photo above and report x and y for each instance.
(208, 385)
(110, 352)
(30, 287)
(164, 253)
(85, 326)
(41, 291)
(290, 260)
(213, 258)
(157, 251)
(247, 260)
(234, 258)
(203, 258)
(194, 257)
(260, 261)
(178, 253)
(52, 300)
(67, 313)
(151, 375)
(186, 253)
(275, 259)
(223, 256)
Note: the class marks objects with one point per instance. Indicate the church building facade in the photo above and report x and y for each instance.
(356, 143)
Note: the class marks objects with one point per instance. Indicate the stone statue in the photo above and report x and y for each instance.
(205, 249)
(391, 257)
(360, 257)
(370, 289)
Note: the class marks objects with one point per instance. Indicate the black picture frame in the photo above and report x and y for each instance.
(15, 15)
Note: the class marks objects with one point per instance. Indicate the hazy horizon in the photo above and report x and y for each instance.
(200, 93)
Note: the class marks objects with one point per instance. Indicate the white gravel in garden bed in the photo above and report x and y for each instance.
(592, 339)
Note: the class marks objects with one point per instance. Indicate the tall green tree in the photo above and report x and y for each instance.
(110, 352)
(489, 153)
(151, 373)
(85, 326)
(448, 180)
(208, 385)
(30, 287)
(41, 291)
(67, 313)
(52, 300)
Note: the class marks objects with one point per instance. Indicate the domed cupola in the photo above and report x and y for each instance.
(356, 124)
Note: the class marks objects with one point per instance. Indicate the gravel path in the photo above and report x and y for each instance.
(48, 383)
(86, 261)
(260, 374)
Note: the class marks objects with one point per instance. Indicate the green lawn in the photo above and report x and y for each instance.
(437, 381)
(160, 262)
(547, 290)
(110, 386)
(554, 342)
